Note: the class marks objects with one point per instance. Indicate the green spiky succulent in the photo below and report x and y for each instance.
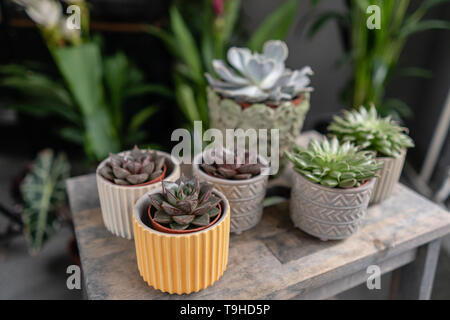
(185, 204)
(371, 132)
(133, 167)
(334, 165)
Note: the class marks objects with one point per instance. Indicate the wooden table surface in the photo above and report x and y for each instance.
(272, 261)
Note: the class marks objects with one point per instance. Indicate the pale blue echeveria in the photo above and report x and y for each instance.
(259, 77)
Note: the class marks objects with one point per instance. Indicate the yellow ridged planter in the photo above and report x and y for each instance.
(181, 263)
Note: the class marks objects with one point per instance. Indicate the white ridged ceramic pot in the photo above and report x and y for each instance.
(389, 175)
(328, 213)
(246, 197)
(117, 201)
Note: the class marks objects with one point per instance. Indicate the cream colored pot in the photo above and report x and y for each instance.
(117, 201)
(389, 175)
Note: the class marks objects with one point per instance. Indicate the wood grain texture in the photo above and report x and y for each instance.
(273, 260)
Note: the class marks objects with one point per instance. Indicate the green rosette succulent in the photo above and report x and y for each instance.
(371, 132)
(334, 165)
(185, 204)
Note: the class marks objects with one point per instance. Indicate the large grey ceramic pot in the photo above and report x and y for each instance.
(117, 201)
(388, 177)
(288, 117)
(328, 213)
(246, 197)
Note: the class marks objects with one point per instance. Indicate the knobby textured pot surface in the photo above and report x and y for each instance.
(117, 201)
(328, 213)
(389, 175)
(181, 263)
(287, 117)
(246, 197)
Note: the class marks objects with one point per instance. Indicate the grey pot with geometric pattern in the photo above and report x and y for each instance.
(287, 117)
(388, 177)
(246, 197)
(328, 213)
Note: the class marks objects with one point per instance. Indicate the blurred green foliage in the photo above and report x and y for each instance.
(203, 31)
(43, 193)
(91, 93)
(374, 54)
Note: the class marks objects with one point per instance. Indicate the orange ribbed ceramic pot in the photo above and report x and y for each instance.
(181, 263)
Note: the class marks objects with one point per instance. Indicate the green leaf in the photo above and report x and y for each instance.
(43, 192)
(81, 67)
(276, 26)
(44, 108)
(147, 88)
(322, 19)
(428, 4)
(166, 37)
(232, 9)
(186, 100)
(115, 73)
(186, 43)
(72, 134)
(396, 107)
(36, 85)
(143, 115)
(412, 28)
(415, 72)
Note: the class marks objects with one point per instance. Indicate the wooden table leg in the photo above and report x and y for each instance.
(415, 280)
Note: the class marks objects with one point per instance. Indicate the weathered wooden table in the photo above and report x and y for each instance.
(275, 260)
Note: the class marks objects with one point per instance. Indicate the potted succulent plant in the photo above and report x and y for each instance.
(332, 188)
(124, 177)
(381, 135)
(242, 184)
(259, 92)
(182, 235)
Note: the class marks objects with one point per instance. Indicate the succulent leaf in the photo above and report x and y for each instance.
(137, 178)
(184, 219)
(176, 226)
(202, 220)
(213, 212)
(162, 217)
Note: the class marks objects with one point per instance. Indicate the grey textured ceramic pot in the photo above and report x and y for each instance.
(246, 197)
(288, 117)
(117, 201)
(328, 213)
(389, 175)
